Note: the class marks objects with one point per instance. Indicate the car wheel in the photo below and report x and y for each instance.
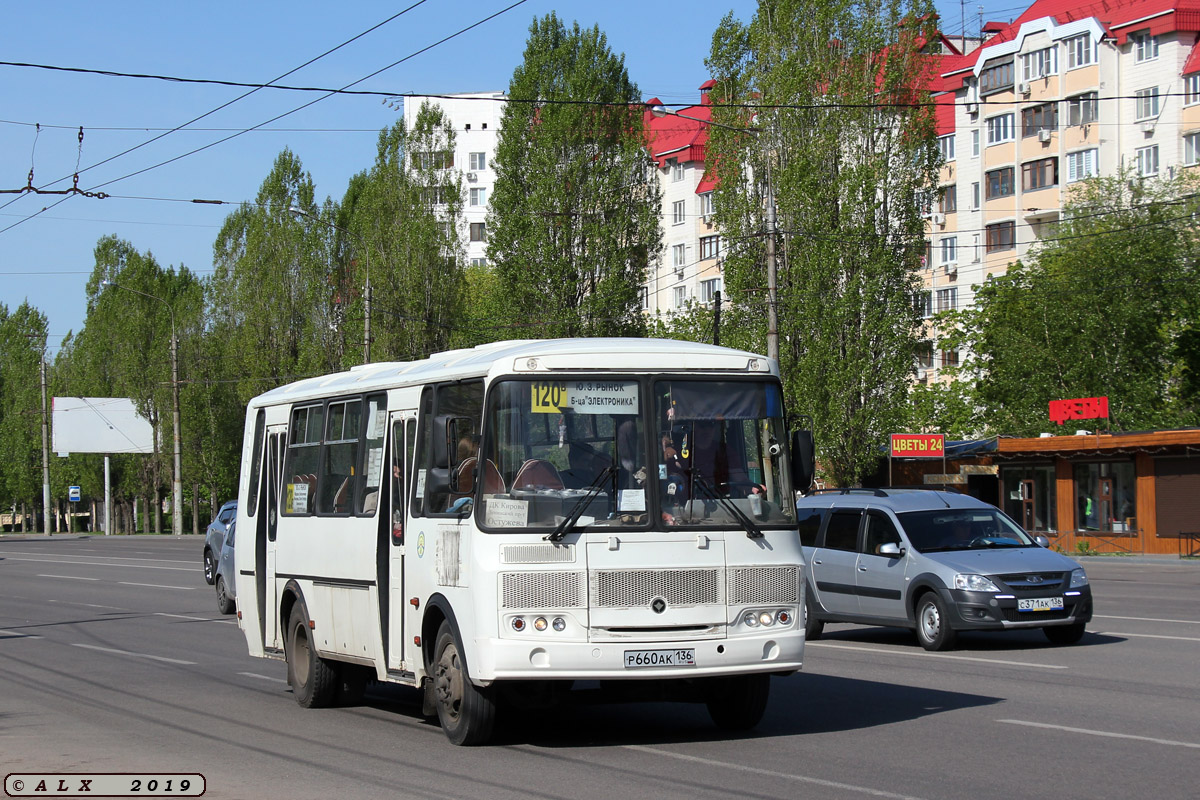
(314, 680)
(813, 627)
(225, 603)
(933, 625)
(210, 567)
(466, 712)
(1064, 634)
(737, 703)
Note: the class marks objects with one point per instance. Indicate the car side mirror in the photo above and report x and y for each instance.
(891, 549)
(1042, 541)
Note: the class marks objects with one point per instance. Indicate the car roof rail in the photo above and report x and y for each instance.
(929, 487)
(849, 490)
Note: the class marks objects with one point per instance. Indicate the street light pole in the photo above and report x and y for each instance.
(661, 111)
(177, 483)
(298, 212)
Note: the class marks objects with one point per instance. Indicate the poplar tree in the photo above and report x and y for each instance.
(574, 214)
(832, 100)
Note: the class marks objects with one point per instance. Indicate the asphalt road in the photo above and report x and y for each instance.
(113, 658)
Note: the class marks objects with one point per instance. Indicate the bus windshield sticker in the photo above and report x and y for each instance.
(374, 466)
(298, 498)
(507, 513)
(584, 397)
(419, 491)
(632, 500)
(378, 420)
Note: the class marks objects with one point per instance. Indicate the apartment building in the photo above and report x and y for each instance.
(1065, 92)
(688, 267)
(475, 117)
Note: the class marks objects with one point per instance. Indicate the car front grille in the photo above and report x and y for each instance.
(1034, 582)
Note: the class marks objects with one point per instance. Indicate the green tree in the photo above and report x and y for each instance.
(844, 140)
(278, 297)
(22, 343)
(1106, 306)
(574, 215)
(404, 212)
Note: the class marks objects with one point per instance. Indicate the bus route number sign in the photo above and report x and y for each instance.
(549, 397)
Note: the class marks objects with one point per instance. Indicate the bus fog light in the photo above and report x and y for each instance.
(518, 624)
(766, 618)
(540, 623)
(750, 619)
(559, 624)
(784, 617)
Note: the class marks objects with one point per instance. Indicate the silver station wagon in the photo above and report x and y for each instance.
(934, 561)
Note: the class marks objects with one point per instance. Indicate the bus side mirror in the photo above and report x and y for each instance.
(443, 441)
(803, 455)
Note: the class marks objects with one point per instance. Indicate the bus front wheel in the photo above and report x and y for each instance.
(738, 702)
(466, 712)
(314, 680)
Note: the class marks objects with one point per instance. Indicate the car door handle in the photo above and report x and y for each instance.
(816, 561)
(862, 568)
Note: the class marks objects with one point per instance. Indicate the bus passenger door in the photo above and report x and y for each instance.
(403, 432)
(276, 441)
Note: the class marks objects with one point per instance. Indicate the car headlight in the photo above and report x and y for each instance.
(975, 583)
(1078, 578)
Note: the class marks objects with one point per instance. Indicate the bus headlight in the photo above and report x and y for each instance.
(518, 624)
(559, 624)
(750, 619)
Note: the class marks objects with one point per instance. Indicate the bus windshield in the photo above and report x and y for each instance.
(720, 454)
(621, 453)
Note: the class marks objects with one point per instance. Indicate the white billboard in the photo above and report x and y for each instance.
(100, 425)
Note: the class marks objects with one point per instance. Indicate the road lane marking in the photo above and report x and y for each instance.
(1107, 734)
(185, 616)
(17, 635)
(923, 654)
(135, 655)
(69, 577)
(89, 605)
(157, 586)
(93, 555)
(60, 562)
(849, 787)
(263, 677)
(1151, 636)
(1148, 619)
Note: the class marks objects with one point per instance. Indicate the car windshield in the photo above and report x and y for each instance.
(712, 455)
(962, 529)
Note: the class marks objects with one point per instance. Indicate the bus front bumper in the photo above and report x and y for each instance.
(529, 659)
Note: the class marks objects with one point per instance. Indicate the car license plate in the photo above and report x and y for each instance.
(1040, 604)
(635, 659)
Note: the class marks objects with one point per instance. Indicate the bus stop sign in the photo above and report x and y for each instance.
(73, 494)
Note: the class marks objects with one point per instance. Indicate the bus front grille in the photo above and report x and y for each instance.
(769, 585)
(533, 590)
(634, 588)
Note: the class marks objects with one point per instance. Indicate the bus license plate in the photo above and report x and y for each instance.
(1040, 604)
(635, 659)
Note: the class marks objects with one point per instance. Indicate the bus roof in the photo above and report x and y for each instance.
(529, 357)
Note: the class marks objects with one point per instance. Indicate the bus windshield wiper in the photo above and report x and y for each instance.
(576, 510)
(752, 530)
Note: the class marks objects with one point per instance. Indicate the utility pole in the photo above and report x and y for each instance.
(45, 450)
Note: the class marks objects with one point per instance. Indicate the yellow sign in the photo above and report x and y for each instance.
(546, 398)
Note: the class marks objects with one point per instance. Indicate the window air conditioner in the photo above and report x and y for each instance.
(938, 219)
(1023, 88)
(1148, 127)
(921, 374)
(472, 177)
(972, 108)
(706, 218)
(951, 268)
(1044, 136)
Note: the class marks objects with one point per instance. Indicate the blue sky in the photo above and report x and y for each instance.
(48, 258)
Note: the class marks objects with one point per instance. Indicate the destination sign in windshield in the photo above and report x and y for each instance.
(585, 397)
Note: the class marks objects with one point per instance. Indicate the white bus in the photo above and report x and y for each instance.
(495, 525)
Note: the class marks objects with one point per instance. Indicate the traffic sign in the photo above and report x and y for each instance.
(73, 494)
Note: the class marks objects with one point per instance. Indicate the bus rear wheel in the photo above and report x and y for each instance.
(314, 680)
(737, 703)
(466, 712)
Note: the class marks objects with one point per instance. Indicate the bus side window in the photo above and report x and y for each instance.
(303, 460)
(370, 472)
(460, 407)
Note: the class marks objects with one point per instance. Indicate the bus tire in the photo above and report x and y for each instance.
(314, 680)
(737, 703)
(466, 712)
